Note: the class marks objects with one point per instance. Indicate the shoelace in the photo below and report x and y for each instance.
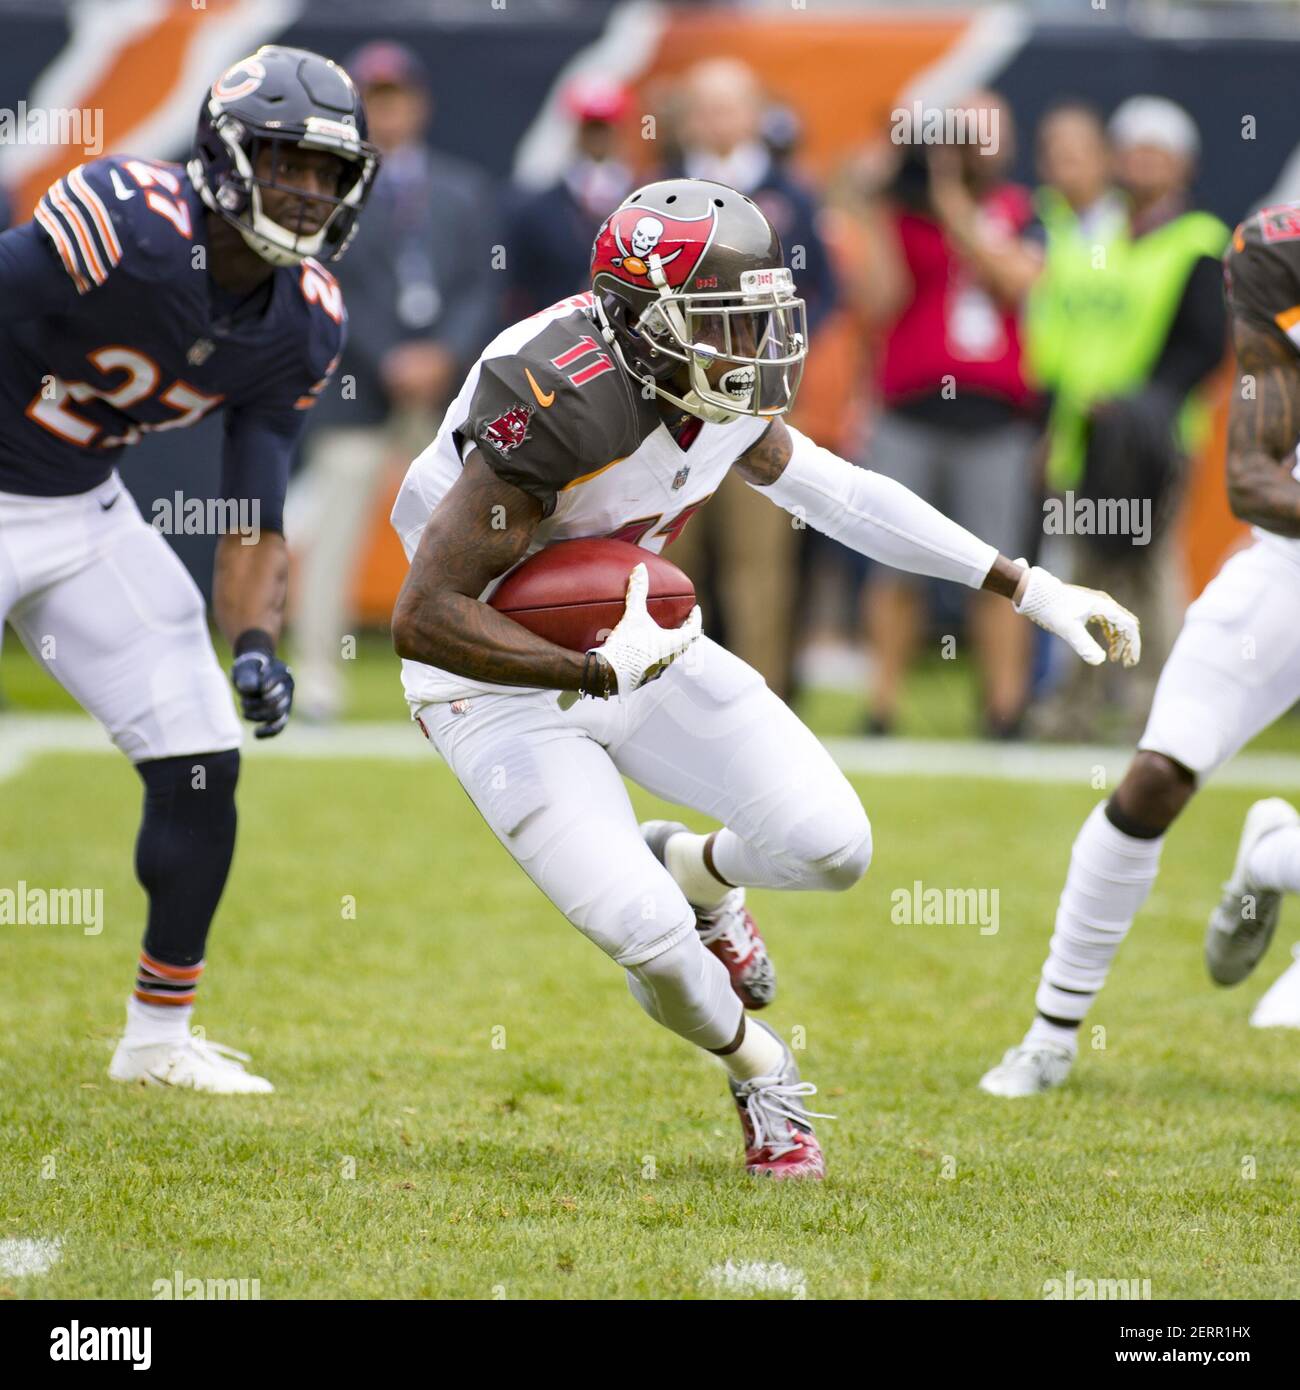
(1027, 1054)
(771, 1106)
(727, 923)
(219, 1052)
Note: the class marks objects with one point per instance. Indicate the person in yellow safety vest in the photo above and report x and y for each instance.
(1122, 327)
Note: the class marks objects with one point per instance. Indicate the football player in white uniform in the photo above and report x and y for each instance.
(1234, 669)
(618, 413)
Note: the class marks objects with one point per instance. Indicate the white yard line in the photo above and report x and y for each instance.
(23, 737)
(21, 1257)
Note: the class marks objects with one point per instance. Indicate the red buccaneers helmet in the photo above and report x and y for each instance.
(687, 272)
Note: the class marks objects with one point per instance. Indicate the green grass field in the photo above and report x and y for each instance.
(591, 1155)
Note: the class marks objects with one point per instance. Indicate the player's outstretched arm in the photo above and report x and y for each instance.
(880, 518)
(479, 530)
(1263, 427)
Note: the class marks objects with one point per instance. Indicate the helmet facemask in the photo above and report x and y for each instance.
(760, 334)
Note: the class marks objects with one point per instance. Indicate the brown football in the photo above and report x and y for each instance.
(573, 593)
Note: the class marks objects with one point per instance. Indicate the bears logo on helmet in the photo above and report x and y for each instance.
(240, 81)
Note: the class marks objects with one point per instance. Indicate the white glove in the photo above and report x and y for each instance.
(1067, 609)
(638, 648)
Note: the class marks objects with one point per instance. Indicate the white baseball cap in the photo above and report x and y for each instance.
(1155, 121)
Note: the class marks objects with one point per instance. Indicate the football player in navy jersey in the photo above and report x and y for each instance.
(143, 296)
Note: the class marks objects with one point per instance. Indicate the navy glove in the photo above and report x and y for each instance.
(264, 683)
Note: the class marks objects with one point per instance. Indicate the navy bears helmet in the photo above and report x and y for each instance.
(282, 97)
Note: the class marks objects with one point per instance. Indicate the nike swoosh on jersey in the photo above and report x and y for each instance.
(112, 502)
(543, 398)
(122, 191)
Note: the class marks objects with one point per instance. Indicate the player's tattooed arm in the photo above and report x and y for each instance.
(479, 530)
(765, 460)
(1263, 426)
(249, 585)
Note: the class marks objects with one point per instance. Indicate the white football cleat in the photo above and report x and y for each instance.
(192, 1064)
(1235, 941)
(1027, 1070)
(1280, 1005)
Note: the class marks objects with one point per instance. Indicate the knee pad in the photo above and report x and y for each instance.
(830, 852)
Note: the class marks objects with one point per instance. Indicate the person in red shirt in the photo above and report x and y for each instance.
(954, 254)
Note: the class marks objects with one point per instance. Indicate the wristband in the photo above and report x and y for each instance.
(596, 673)
(254, 639)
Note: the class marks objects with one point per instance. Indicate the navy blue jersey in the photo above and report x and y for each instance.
(110, 327)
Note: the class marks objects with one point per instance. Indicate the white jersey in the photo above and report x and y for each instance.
(551, 411)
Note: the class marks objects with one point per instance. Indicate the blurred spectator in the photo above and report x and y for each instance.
(422, 301)
(1126, 321)
(955, 255)
(548, 244)
(745, 543)
(781, 131)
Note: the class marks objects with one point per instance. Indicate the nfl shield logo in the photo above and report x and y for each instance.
(200, 352)
(679, 479)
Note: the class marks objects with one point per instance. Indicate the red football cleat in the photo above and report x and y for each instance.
(730, 933)
(728, 930)
(779, 1138)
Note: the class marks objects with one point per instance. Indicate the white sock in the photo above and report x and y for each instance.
(684, 857)
(1110, 876)
(1040, 1031)
(156, 1023)
(1274, 863)
(739, 862)
(760, 1054)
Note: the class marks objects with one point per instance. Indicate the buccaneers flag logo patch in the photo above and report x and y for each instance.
(508, 431)
(632, 235)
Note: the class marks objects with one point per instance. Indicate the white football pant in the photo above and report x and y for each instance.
(707, 734)
(101, 601)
